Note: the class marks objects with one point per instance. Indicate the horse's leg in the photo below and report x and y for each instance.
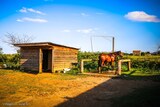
(102, 64)
(99, 69)
(112, 65)
(99, 65)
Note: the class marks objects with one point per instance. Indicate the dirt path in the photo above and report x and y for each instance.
(100, 95)
(50, 90)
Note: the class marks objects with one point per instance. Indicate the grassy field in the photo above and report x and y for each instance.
(143, 58)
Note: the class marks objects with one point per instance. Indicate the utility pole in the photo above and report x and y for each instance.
(91, 44)
(112, 44)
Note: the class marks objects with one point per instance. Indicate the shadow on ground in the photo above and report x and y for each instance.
(96, 97)
(34, 72)
(102, 95)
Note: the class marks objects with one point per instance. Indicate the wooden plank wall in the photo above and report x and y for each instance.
(64, 57)
(29, 59)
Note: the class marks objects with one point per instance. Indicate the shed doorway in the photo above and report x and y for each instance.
(46, 60)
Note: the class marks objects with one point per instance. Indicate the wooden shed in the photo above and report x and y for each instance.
(137, 52)
(46, 56)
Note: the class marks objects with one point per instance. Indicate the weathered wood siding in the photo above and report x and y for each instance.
(64, 57)
(29, 58)
(137, 52)
(59, 57)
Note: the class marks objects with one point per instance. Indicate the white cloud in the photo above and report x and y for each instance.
(25, 10)
(32, 20)
(86, 31)
(66, 30)
(19, 20)
(35, 11)
(141, 16)
(84, 14)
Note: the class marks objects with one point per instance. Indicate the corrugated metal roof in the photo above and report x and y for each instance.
(42, 44)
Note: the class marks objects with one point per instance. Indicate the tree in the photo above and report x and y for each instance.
(1, 50)
(158, 49)
(12, 38)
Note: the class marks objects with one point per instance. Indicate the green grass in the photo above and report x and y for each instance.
(135, 74)
(135, 57)
(144, 58)
(144, 97)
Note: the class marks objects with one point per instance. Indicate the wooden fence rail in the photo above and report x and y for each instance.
(82, 64)
(119, 65)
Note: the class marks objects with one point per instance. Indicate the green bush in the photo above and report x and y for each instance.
(142, 63)
(10, 60)
(146, 65)
(91, 66)
(73, 71)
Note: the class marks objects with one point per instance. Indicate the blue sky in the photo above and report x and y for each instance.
(134, 23)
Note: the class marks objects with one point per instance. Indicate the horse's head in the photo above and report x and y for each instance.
(119, 53)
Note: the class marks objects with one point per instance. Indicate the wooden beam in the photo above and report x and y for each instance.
(52, 68)
(40, 60)
(125, 60)
(120, 65)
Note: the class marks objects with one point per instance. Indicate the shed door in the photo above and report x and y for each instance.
(47, 60)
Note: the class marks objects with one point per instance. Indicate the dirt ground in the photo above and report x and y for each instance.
(58, 90)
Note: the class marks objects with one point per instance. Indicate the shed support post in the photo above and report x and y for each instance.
(40, 60)
(52, 68)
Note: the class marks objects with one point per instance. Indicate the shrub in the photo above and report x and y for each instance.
(146, 65)
(142, 63)
(73, 71)
(10, 60)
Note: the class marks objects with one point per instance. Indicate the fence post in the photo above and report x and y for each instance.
(119, 67)
(82, 66)
(129, 65)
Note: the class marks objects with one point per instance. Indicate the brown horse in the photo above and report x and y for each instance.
(105, 59)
